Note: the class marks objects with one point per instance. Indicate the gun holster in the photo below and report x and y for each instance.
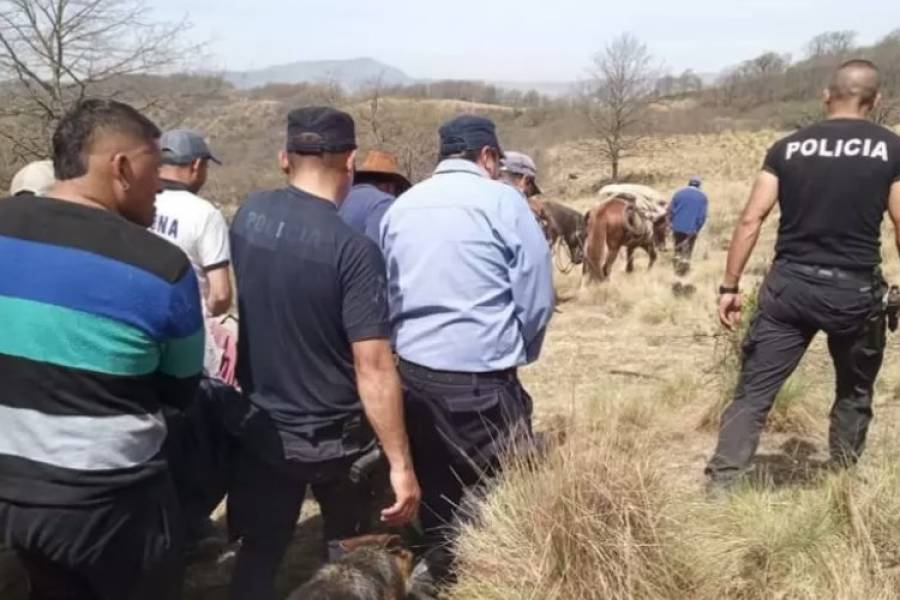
(367, 465)
(892, 308)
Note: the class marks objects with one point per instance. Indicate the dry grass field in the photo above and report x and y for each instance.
(637, 376)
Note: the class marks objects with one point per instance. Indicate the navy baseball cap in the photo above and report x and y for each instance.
(468, 132)
(319, 129)
(184, 146)
(695, 182)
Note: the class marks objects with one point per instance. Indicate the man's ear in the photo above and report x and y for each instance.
(121, 170)
(877, 101)
(485, 155)
(284, 162)
(351, 161)
(826, 96)
(196, 165)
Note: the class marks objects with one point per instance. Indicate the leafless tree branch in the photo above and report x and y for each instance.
(54, 53)
(617, 97)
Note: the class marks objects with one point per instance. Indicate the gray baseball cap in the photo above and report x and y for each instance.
(183, 146)
(521, 164)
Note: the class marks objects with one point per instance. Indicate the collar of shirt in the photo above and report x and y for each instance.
(306, 196)
(168, 184)
(460, 165)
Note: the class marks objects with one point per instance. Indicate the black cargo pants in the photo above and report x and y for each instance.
(459, 427)
(267, 490)
(796, 302)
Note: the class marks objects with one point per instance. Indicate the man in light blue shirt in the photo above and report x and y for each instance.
(471, 294)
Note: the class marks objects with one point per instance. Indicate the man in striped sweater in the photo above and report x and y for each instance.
(102, 326)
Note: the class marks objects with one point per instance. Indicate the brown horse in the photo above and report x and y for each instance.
(609, 227)
(565, 226)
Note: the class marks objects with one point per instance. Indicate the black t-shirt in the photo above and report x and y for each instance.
(834, 182)
(308, 286)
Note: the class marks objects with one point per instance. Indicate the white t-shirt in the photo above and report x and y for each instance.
(197, 227)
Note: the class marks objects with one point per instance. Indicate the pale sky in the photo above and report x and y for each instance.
(522, 40)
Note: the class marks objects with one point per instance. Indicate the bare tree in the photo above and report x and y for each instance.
(617, 97)
(373, 114)
(389, 125)
(887, 112)
(831, 45)
(54, 53)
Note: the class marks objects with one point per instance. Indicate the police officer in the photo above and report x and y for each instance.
(471, 295)
(314, 360)
(833, 181)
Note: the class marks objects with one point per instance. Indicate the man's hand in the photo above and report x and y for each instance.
(407, 492)
(380, 392)
(730, 311)
(762, 200)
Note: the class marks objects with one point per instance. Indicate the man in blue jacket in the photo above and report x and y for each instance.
(376, 184)
(687, 214)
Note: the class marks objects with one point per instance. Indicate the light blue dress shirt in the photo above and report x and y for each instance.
(470, 278)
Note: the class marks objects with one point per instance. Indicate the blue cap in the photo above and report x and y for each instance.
(318, 129)
(184, 146)
(468, 132)
(695, 182)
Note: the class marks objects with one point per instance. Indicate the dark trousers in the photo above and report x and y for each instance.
(199, 450)
(795, 303)
(129, 549)
(13, 577)
(263, 508)
(684, 251)
(459, 428)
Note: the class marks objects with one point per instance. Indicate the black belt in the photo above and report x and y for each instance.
(457, 377)
(833, 273)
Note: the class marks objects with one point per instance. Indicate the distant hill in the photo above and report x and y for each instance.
(357, 73)
(554, 89)
(351, 74)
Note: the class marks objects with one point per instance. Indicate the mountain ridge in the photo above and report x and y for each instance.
(357, 73)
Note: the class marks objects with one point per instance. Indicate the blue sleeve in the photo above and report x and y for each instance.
(530, 271)
(374, 218)
(181, 359)
(704, 211)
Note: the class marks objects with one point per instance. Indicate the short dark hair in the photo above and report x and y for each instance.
(856, 78)
(79, 128)
(859, 63)
(470, 155)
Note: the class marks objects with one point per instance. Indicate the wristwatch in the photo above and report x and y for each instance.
(724, 289)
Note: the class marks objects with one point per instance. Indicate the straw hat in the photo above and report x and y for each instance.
(381, 166)
(35, 178)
